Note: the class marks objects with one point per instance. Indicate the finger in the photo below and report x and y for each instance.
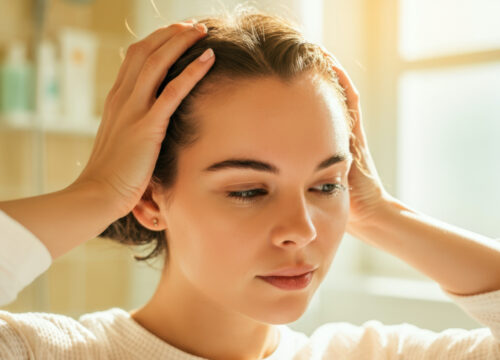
(346, 82)
(138, 52)
(158, 63)
(177, 89)
(327, 54)
(351, 93)
(353, 104)
(344, 78)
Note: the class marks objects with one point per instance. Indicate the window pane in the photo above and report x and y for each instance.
(448, 145)
(430, 28)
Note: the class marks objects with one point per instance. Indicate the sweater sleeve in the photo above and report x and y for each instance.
(48, 336)
(23, 257)
(12, 343)
(375, 340)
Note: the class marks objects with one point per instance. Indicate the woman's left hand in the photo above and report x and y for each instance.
(367, 193)
(471, 265)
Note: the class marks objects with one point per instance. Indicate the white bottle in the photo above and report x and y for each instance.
(47, 84)
(78, 63)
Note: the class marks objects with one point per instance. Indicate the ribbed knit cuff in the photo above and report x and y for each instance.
(23, 257)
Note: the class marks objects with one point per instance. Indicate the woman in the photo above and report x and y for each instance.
(246, 198)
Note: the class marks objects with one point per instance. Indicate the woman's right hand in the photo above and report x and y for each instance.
(134, 123)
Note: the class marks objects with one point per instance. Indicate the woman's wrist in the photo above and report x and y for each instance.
(380, 215)
(470, 266)
(101, 193)
(389, 206)
(64, 219)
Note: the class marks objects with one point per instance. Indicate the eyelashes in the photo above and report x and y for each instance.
(252, 195)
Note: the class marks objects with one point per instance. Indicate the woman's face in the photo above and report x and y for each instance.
(219, 245)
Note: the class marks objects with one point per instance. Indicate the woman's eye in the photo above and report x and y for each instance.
(246, 195)
(251, 194)
(333, 189)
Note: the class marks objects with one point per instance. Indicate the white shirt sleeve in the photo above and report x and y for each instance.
(23, 257)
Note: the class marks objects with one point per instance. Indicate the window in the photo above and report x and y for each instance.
(439, 65)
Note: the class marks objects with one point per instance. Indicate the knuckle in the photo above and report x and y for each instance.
(109, 97)
(138, 48)
(171, 92)
(114, 101)
(151, 63)
(190, 72)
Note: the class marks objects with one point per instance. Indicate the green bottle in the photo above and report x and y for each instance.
(16, 82)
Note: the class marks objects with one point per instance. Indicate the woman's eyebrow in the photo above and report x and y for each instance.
(254, 164)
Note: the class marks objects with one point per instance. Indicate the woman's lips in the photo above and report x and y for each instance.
(289, 282)
(293, 270)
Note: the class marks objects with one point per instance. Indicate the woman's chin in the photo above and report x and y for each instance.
(285, 315)
(282, 308)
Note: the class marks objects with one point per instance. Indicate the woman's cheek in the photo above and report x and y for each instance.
(334, 221)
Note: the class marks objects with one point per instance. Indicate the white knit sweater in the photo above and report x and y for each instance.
(113, 334)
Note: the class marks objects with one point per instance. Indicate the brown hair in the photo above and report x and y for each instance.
(247, 44)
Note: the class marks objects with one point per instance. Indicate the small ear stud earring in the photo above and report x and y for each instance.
(155, 221)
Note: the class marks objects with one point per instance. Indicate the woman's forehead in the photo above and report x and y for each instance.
(268, 110)
(293, 126)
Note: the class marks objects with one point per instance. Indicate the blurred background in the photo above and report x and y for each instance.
(428, 72)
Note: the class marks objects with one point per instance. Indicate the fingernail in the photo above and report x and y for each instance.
(206, 55)
(201, 27)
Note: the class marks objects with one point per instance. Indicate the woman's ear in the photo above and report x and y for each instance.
(147, 212)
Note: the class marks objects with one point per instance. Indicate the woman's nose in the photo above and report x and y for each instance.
(294, 226)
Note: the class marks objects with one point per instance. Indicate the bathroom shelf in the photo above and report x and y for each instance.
(33, 123)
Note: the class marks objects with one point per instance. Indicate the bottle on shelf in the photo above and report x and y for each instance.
(78, 72)
(16, 86)
(47, 84)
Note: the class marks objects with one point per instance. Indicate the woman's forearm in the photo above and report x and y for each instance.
(462, 262)
(64, 219)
